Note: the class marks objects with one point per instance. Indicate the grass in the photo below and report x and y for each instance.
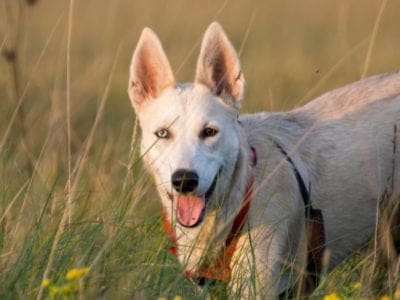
(73, 192)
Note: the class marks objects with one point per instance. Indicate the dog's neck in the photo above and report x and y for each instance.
(238, 181)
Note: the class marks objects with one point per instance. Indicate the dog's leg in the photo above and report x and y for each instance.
(258, 264)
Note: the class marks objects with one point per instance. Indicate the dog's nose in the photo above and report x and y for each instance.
(184, 181)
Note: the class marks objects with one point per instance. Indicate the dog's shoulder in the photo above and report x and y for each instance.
(284, 128)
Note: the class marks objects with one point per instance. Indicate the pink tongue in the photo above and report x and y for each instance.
(189, 209)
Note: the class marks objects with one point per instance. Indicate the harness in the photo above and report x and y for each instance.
(314, 227)
(221, 270)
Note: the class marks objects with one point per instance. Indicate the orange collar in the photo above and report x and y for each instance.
(221, 271)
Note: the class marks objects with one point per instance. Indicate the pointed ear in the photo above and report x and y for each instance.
(218, 66)
(150, 71)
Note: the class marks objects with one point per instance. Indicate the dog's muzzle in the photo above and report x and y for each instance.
(189, 206)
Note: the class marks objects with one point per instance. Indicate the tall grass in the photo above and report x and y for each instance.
(73, 192)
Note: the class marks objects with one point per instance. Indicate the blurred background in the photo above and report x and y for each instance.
(291, 51)
(66, 121)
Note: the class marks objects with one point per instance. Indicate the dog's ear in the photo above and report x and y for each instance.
(150, 71)
(218, 66)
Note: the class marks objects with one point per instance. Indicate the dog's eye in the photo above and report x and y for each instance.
(162, 133)
(209, 132)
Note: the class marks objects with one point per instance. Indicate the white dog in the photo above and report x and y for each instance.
(254, 200)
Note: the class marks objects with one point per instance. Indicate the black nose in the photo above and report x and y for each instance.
(184, 181)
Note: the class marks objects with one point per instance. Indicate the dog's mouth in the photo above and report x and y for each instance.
(190, 209)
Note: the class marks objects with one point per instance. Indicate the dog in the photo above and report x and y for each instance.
(260, 200)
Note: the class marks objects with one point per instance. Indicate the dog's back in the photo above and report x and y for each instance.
(354, 96)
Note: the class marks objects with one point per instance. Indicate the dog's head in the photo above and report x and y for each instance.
(189, 131)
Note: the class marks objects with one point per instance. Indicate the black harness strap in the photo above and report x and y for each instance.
(315, 228)
(302, 186)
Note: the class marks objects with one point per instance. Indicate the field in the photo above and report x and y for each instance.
(73, 193)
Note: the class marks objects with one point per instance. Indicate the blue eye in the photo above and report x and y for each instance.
(162, 133)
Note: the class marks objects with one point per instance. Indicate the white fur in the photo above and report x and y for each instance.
(342, 144)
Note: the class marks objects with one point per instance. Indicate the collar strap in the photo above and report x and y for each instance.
(170, 232)
(221, 271)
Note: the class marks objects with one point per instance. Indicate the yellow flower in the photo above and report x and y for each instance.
(54, 290)
(46, 282)
(76, 273)
(67, 289)
(177, 297)
(384, 297)
(397, 295)
(332, 296)
(357, 285)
